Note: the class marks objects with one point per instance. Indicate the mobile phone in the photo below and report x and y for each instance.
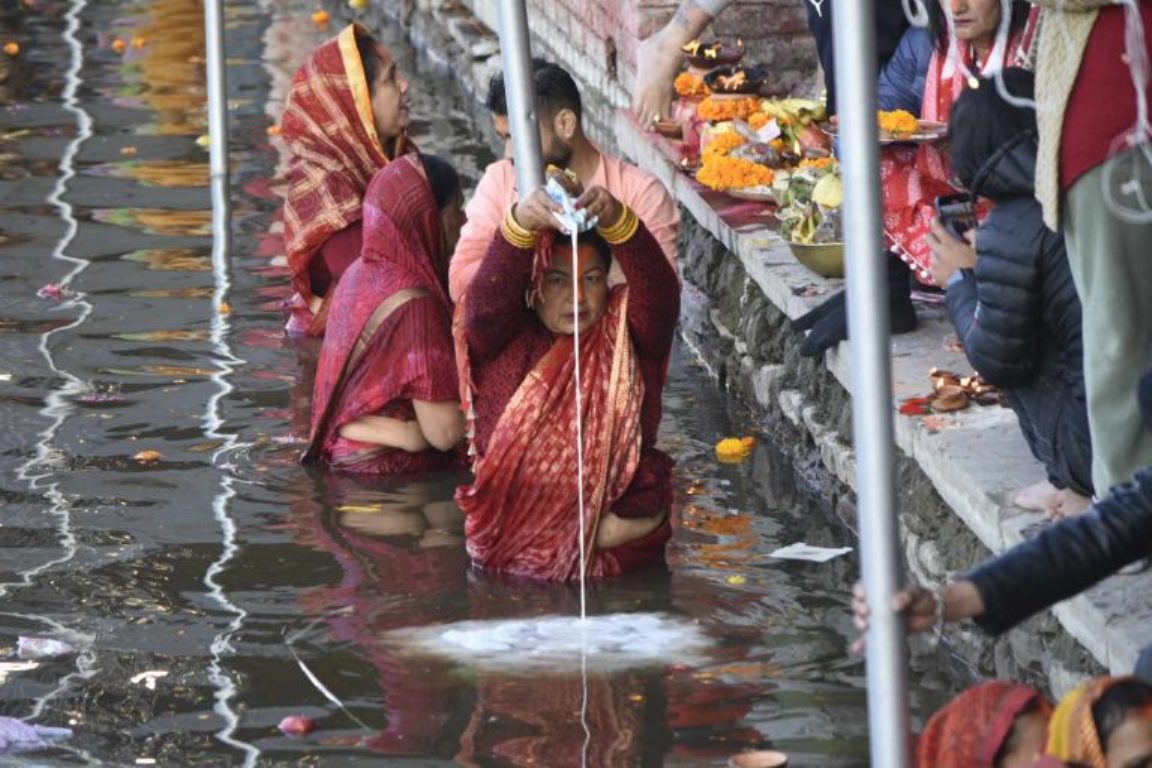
(955, 213)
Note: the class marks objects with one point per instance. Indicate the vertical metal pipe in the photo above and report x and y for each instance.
(515, 55)
(217, 123)
(855, 56)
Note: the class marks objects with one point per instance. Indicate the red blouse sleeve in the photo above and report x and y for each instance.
(495, 311)
(653, 294)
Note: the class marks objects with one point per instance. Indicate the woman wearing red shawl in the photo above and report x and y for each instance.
(1105, 723)
(913, 177)
(345, 119)
(990, 725)
(386, 394)
(522, 511)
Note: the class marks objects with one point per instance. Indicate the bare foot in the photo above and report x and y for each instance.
(1067, 504)
(1038, 496)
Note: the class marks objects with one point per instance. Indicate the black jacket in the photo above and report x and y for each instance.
(1067, 558)
(1018, 313)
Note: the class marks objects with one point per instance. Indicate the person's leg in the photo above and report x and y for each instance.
(1111, 262)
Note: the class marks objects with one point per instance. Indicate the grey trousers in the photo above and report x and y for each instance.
(1111, 261)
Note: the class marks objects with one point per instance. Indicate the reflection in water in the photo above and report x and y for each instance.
(158, 221)
(172, 259)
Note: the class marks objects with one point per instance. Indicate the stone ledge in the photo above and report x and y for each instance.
(974, 458)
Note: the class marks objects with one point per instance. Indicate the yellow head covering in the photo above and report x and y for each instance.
(1072, 734)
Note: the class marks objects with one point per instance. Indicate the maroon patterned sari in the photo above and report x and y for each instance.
(388, 339)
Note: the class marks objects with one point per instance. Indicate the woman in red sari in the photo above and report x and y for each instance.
(386, 394)
(522, 511)
(990, 725)
(913, 177)
(345, 119)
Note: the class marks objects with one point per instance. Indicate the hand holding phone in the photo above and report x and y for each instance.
(955, 213)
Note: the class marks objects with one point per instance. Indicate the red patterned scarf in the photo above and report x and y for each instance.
(329, 128)
(970, 730)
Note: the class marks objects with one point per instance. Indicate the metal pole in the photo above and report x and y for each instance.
(217, 121)
(516, 57)
(855, 55)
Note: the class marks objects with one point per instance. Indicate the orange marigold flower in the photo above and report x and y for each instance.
(12, 49)
(898, 121)
(119, 45)
(733, 449)
(688, 84)
(758, 120)
(723, 172)
(320, 18)
(819, 163)
(717, 110)
(723, 143)
(139, 42)
(273, 130)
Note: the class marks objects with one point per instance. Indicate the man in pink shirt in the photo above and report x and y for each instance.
(563, 144)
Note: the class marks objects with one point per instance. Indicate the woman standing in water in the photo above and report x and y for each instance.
(386, 396)
(345, 119)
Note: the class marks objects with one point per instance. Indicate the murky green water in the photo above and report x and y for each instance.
(188, 583)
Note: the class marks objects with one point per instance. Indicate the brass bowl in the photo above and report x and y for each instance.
(825, 259)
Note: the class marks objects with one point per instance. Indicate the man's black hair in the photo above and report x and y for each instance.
(982, 122)
(555, 90)
(938, 22)
(443, 179)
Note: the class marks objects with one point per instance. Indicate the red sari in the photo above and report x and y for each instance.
(388, 339)
(913, 177)
(329, 128)
(523, 508)
(970, 730)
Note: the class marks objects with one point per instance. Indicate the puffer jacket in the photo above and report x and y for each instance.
(1067, 558)
(1018, 313)
(902, 81)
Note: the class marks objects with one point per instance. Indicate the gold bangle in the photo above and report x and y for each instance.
(516, 235)
(624, 228)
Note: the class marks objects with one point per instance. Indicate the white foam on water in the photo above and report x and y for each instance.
(609, 642)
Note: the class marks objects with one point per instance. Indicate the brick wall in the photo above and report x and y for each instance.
(597, 41)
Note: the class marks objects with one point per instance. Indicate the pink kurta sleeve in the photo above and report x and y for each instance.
(484, 211)
(646, 195)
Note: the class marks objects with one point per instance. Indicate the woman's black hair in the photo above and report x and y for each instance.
(981, 122)
(443, 179)
(593, 238)
(366, 46)
(1113, 708)
(938, 22)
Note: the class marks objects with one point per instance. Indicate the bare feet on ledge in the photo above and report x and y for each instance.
(1067, 503)
(1038, 497)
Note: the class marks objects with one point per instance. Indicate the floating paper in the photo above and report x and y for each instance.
(42, 648)
(807, 552)
(19, 736)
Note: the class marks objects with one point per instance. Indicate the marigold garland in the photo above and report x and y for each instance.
(898, 121)
(723, 143)
(723, 172)
(716, 110)
(688, 84)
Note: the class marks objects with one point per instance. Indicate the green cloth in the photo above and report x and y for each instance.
(1111, 262)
